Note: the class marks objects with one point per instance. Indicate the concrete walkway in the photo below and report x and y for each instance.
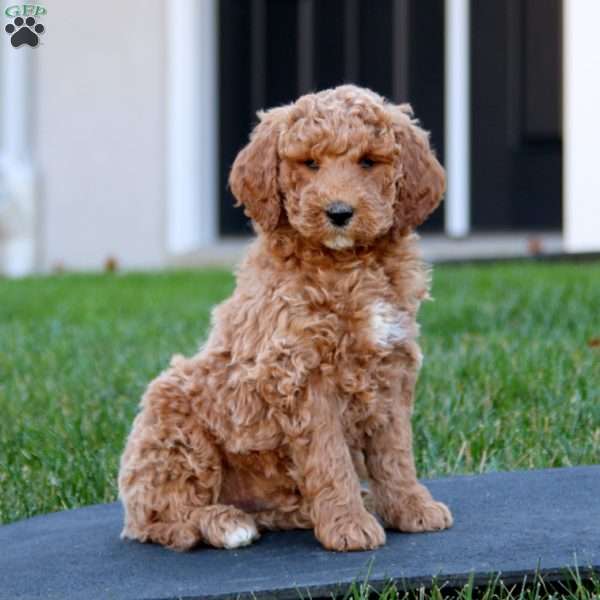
(436, 248)
(507, 523)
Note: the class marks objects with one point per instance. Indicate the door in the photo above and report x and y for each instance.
(516, 132)
(271, 51)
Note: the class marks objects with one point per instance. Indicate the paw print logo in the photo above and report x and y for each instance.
(24, 32)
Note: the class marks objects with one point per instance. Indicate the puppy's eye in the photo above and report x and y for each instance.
(312, 164)
(366, 163)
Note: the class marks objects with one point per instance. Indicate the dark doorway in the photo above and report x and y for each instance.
(271, 51)
(516, 117)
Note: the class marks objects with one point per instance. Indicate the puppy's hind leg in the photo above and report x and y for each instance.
(218, 525)
(170, 477)
(169, 494)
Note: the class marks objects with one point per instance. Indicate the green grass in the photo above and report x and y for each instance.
(574, 586)
(510, 379)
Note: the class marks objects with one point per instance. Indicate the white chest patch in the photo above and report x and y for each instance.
(389, 325)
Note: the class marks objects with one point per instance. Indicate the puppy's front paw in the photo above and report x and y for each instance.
(416, 514)
(352, 532)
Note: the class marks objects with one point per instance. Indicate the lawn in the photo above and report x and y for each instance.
(511, 378)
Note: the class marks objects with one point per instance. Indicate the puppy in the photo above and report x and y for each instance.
(306, 381)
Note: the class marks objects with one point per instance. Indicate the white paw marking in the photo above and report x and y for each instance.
(339, 242)
(390, 325)
(240, 536)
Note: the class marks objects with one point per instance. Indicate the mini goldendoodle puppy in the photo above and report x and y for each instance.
(306, 381)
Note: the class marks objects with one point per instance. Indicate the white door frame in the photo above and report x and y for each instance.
(581, 125)
(192, 125)
(457, 118)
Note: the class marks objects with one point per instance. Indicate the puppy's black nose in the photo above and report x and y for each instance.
(339, 213)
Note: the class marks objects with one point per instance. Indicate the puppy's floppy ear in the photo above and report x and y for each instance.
(422, 181)
(253, 177)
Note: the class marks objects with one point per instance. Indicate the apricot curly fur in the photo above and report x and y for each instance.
(306, 381)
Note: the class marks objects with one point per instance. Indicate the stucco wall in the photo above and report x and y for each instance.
(100, 77)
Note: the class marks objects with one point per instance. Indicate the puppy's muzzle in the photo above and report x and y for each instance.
(339, 213)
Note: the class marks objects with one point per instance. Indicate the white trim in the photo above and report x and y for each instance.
(17, 181)
(581, 130)
(16, 90)
(191, 125)
(457, 118)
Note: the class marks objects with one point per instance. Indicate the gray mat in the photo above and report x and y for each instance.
(512, 523)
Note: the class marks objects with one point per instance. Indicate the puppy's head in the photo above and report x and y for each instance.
(342, 167)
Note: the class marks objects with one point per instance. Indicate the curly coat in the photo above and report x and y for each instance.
(306, 381)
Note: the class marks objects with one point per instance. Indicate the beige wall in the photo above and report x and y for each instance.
(100, 77)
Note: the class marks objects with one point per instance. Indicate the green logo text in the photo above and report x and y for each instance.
(25, 10)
